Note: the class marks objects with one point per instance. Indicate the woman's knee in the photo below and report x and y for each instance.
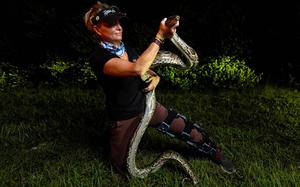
(159, 115)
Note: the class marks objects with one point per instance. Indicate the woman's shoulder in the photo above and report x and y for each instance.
(100, 54)
(99, 51)
(98, 59)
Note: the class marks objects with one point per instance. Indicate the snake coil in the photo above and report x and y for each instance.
(162, 58)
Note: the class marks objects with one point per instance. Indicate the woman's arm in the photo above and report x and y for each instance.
(121, 67)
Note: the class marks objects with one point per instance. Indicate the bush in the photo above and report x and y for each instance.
(11, 76)
(221, 72)
(66, 73)
(228, 72)
(183, 79)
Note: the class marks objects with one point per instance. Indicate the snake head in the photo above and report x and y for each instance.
(172, 20)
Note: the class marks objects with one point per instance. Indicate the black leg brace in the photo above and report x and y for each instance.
(207, 146)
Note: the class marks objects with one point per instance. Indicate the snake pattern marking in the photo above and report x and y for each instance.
(162, 58)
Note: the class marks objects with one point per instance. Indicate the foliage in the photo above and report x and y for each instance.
(228, 72)
(221, 72)
(11, 76)
(289, 75)
(183, 79)
(213, 27)
(69, 73)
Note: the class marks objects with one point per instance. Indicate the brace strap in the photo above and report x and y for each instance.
(186, 133)
(164, 127)
(207, 146)
(171, 116)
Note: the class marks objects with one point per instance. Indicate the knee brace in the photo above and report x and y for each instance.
(164, 127)
(207, 146)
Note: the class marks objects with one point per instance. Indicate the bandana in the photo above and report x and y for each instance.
(119, 51)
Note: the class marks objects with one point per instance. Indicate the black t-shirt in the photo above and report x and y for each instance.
(124, 96)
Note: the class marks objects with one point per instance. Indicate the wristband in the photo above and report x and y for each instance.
(159, 37)
(157, 42)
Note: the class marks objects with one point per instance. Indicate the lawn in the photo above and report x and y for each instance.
(59, 137)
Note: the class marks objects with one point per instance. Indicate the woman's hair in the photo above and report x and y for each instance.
(92, 12)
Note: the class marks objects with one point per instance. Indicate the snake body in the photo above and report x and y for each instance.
(162, 58)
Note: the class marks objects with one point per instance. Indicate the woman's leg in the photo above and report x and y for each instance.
(121, 133)
(175, 125)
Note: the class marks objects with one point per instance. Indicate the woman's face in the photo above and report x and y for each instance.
(112, 34)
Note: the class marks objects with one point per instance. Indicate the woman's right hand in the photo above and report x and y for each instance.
(165, 31)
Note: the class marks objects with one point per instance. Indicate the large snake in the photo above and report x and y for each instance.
(162, 58)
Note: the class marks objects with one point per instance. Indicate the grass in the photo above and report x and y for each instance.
(59, 138)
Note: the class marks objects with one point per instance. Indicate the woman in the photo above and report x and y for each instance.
(120, 70)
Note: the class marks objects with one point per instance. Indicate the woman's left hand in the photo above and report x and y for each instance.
(153, 82)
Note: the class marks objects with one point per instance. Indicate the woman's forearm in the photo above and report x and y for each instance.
(144, 62)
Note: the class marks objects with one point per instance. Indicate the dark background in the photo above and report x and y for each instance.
(266, 34)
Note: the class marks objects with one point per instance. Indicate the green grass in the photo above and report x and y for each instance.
(59, 138)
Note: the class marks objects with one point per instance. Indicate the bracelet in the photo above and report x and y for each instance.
(157, 42)
(159, 37)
